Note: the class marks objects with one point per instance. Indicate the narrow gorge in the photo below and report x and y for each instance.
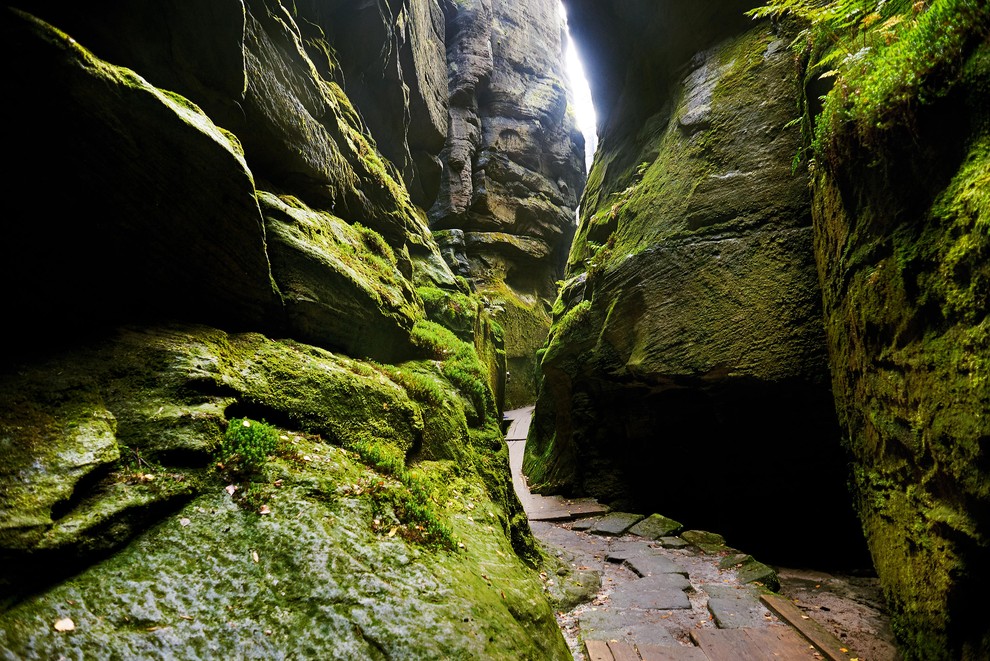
(276, 272)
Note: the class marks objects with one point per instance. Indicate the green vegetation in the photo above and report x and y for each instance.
(411, 500)
(453, 310)
(887, 59)
(247, 445)
(459, 363)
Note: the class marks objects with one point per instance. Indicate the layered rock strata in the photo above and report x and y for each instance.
(688, 343)
(206, 239)
(513, 168)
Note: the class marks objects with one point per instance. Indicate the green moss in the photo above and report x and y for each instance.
(459, 364)
(456, 311)
(247, 445)
(561, 331)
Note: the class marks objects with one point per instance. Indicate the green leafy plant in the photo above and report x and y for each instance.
(246, 445)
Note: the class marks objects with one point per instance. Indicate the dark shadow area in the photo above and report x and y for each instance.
(759, 464)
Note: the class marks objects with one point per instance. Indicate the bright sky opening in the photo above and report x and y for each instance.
(584, 109)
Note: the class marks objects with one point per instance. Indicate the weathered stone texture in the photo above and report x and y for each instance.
(249, 197)
(904, 253)
(513, 167)
(695, 325)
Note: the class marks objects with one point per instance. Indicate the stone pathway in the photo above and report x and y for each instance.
(539, 508)
(633, 587)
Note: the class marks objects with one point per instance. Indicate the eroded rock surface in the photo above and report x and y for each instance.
(229, 243)
(688, 342)
(513, 168)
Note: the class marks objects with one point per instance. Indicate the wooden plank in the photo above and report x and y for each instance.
(826, 643)
(598, 650)
(672, 653)
(622, 651)
(782, 642)
(727, 645)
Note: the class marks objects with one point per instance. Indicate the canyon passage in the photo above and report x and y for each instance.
(285, 279)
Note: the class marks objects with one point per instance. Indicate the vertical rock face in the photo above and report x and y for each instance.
(399, 85)
(688, 343)
(693, 305)
(904, 253)
(513, 167)
(247, 407)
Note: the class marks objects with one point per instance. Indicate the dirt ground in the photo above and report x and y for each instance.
(851, 607)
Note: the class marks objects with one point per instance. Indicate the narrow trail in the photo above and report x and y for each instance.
(637, 587)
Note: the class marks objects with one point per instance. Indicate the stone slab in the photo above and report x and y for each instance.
(651, 565)
(736, 607)
(673, 543)
(584, 523)
(757, 572)
(660, 592)
(640, 627)
(702, 537)
(615, 523)
(656, 526)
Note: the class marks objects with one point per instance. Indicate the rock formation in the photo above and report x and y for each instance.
(206, 232)
(689, 334)
(514, 169)
(688, 342)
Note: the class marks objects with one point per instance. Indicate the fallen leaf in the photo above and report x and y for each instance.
(184, 521)
(186, 617)
(254, 556)
(65, 624)
(230, 488)
(391, 533)
(843, 650)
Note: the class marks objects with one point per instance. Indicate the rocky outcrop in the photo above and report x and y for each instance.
(688, 336)
(514, 168)
(904, 254)
(320, 554)
(693, 303)
(209, 240)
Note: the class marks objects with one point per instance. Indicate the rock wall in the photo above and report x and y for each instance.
(689, 332)
(687, 362)
(902, 238)
(514, 169)
(206, 238)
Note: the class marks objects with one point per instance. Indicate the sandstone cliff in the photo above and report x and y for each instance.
(515, 168)
(690, 329)
(208, 235)
(688, 336)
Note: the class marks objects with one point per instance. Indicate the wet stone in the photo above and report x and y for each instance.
(736, 607)
(656, 526)
(584, 524)
(699, 537)
(641, 627)
(652, 565)
(757, 572)
(734, 560)
(615, 523)
(660, 592)
(673, 543)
